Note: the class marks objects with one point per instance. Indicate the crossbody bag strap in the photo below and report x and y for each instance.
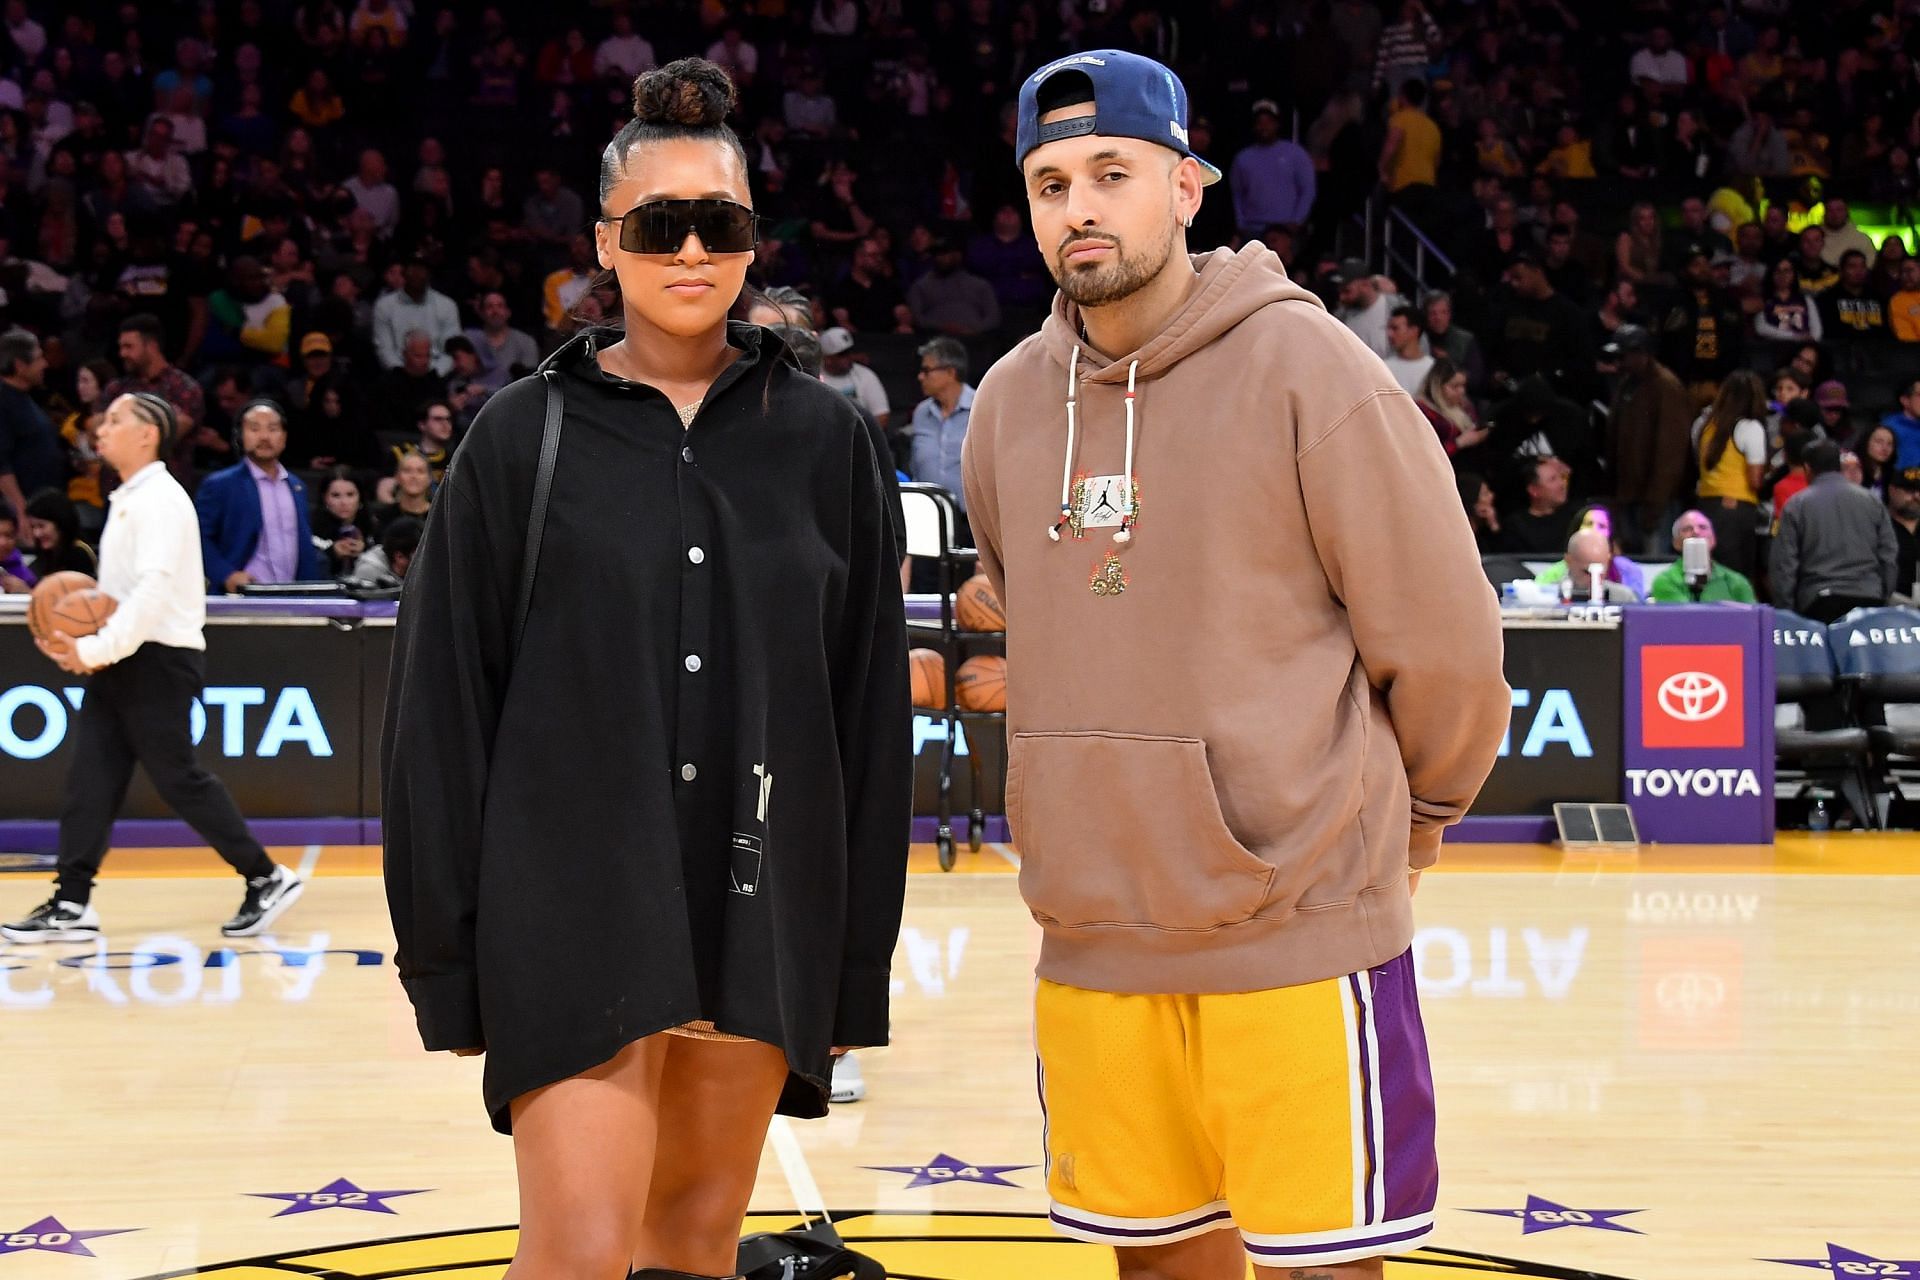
(542, 490)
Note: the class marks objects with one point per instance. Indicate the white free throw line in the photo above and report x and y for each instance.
(793, 1163)
(308, 861)
(1005, 851)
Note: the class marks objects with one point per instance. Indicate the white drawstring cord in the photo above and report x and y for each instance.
(1066, 470)
(1124, 534)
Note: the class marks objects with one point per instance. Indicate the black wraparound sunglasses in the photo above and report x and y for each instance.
(662, 226)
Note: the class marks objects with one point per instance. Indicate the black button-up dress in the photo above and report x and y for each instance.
(686, 796)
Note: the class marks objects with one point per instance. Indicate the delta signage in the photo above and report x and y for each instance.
(1698, 764)
(1563, 740)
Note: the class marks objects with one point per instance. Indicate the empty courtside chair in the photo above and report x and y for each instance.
(1880, 647)
(1877, 653)
(1807, 693)
(929, 512)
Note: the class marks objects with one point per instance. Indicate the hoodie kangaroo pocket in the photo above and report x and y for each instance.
(1126, 829)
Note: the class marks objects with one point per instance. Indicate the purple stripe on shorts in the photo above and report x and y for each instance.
(1046, 1137)
(1138, 1233)
(1366, 1095)
(1338, 1246)
(1406, 1089)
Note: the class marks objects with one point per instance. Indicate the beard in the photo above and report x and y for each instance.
(1109, 282)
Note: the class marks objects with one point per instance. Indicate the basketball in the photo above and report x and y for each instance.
(81, 613)
(929, 678)
(48, 592)
(981, 683)
(977, 608)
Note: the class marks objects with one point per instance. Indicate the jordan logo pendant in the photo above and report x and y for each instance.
(1102, 502)
(1109, 577)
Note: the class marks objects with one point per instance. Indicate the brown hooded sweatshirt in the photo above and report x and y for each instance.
(1219, 776)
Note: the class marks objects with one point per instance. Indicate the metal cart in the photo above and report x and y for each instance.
(930, 517)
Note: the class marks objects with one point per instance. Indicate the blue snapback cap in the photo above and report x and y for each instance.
(1133, 97)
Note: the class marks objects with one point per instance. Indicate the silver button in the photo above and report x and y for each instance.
(686, 454)
(688, 773)
(696, 555)
(693, 662)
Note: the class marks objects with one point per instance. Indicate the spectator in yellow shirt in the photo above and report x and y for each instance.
(379, 13)
(248, 323)
(1494, 153)
(1903, 311)
(89, 385)
(1763, 65)
(1807, 146)
(316, 103)
(1571, 157)
(1411, 156)
(563, 289)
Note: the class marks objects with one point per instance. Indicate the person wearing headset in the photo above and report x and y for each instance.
(253, 515)
(144, 668)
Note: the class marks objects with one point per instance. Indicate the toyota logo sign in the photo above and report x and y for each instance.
(1693, 696)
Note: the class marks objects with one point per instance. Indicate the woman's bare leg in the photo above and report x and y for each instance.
(584, 1148)
(716, 1101)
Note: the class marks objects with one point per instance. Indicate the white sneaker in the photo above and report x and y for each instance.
(55, 921)
(266, 900)
(848, 1084)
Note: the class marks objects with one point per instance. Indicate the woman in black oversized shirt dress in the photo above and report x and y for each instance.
(651, 860)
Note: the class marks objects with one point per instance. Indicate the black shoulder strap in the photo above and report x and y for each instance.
(816, 1253)
(542, 490)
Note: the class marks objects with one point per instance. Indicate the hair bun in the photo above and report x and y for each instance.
(692, 93)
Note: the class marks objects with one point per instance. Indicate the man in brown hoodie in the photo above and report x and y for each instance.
(1255, 671)
(1647, 438)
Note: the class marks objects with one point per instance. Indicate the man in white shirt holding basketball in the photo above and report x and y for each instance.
(145, 664)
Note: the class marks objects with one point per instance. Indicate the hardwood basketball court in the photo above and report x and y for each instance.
(1690, 1062)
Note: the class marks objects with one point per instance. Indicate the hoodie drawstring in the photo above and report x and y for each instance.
(1066, 471)
(1124, 534)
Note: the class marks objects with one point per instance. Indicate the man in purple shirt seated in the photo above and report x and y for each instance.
(253, 517)
(15, 577)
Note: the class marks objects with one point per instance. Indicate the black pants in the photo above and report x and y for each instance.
(1832, 608)
(1735, 533)
(139, 710)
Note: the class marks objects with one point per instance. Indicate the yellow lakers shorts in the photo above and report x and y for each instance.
(1303, 1116)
